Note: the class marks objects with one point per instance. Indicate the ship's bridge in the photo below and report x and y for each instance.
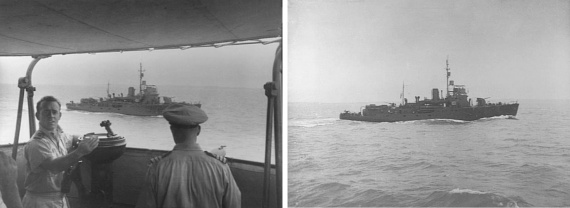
(150, 90)
(459, 96)
(460, 90)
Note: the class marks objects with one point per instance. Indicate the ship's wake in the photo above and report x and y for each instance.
(441, 122)
(470, 198)
(307, 123)
(512, 117)
(457, 122)
(499, 117)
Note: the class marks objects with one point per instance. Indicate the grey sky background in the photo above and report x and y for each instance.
(245, 66)
(362, 51)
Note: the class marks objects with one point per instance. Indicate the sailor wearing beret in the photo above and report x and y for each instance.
(188, 176)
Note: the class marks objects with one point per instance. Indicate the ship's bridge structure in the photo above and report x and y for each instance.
(458, 95)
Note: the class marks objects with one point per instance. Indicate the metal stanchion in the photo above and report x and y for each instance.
(274, 93)
(268, 141)
(25, 83)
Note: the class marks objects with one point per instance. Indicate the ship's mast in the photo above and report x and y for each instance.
(403, 95)
(448, 74)
(140, 81)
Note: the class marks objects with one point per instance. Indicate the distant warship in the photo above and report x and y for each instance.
(146, 103)
(454, 106)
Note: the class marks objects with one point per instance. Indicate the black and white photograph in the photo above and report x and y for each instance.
(284, 103)
(115, 103)
(428, 103)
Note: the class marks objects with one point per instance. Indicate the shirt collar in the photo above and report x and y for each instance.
(188, 147)
(51, 132)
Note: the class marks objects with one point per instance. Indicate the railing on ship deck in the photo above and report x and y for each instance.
(129, 170)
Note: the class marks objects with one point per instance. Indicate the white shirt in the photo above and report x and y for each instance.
(2, 205)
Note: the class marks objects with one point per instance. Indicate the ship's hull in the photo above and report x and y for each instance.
(466, 114)
(122, 108)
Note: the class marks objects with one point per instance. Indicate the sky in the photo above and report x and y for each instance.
(243, 66)
(365, 50)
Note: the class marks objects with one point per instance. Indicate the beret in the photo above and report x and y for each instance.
(184, 114)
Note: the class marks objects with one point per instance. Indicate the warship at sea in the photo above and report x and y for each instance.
(455, 105)
(146, 103)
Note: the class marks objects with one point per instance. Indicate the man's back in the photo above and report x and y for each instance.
(188, 177)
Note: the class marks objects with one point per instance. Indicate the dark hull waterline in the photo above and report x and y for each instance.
(455, 113)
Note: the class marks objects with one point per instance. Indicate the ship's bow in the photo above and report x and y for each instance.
(510, 109)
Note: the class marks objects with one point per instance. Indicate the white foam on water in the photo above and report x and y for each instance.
(312, 122)
(459, 191)
(451, 120)
(499, 117)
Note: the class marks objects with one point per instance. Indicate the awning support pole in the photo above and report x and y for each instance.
(274, 93)
(25, 83)
(277, 79)
(269, 92)
(18, 121)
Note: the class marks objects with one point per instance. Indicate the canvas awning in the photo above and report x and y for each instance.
(49, 27)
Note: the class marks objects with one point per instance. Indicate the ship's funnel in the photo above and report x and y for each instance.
(131, 92)
(435, 94)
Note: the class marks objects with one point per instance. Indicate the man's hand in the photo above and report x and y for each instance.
(8, 169)
(88, 144)
(63, 163)
(219, 151)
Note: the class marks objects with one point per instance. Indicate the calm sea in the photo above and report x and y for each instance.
(236, 117)
(336, 162)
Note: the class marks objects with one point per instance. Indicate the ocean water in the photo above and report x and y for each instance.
(236, 117)
(499, 161)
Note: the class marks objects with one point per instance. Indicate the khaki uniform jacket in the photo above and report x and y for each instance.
(188, 177)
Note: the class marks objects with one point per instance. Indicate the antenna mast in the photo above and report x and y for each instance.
(403, 95)
(140, 81)
(448, 74)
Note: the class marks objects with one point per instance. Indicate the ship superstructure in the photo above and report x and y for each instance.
(455, 105)
(146, 103)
